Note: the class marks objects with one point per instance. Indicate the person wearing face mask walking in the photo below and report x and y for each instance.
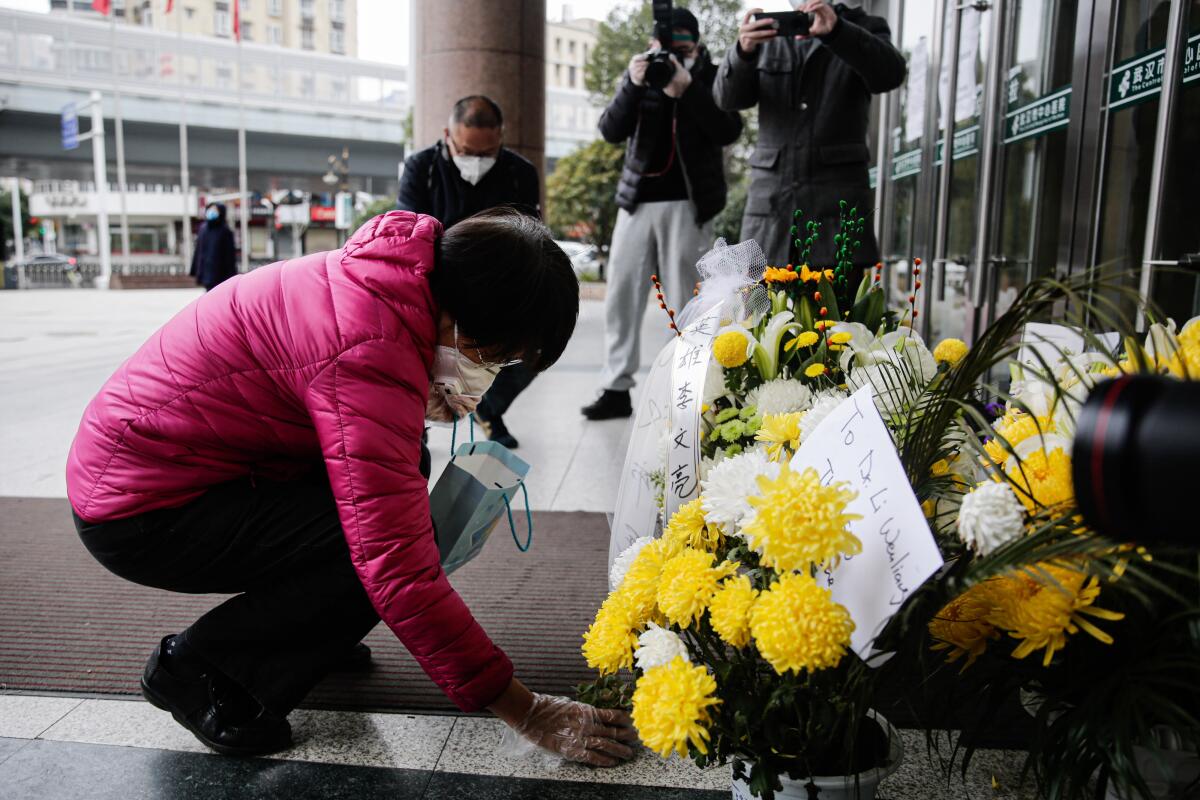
(672, 186)
(468, 171)
(265, 443)
(214, 258)
(813, 95)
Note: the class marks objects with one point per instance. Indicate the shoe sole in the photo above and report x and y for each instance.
(226, 750)
(600, 417)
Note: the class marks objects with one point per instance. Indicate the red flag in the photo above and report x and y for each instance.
(170, 5)
(237, 20)
(103, 6)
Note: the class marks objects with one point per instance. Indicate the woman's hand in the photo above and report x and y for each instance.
(579, 732)
(576, 731)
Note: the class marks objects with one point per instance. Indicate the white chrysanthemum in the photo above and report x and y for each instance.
(707, 464)
(990, 516)
(724, 493)
(823, 403)
(623, 562)
(658, 646)
(780, 396)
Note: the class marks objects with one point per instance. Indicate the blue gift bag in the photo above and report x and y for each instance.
(474, 492)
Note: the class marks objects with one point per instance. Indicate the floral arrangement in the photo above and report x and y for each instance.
(1101, 636)
(738, 652)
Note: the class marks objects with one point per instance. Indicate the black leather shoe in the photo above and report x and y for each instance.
(496, 430)
(357, 659)
(217, 712)
(610, 405)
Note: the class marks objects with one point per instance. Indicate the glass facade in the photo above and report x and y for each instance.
(1085, 167)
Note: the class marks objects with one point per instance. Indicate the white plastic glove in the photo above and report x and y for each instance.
(575, 731)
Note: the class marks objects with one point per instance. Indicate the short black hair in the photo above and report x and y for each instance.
(508, 286)
(477, 111)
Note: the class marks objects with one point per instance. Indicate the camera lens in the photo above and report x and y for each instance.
(660, 70)
(1133, 462)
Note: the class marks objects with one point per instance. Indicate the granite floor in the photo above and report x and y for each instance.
(68, 747)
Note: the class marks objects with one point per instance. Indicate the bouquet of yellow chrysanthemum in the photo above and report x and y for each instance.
(737, 649)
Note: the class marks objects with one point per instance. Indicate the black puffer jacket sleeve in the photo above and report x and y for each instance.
(865, 44)
(619, 119)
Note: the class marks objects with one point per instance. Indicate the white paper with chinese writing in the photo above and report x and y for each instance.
(693, 352)
(637, 510)
(899, 552)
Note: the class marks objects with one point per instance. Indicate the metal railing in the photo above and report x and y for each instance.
(83, 275)
(58, 50)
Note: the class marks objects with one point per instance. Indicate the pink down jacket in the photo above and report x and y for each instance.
(325, 356)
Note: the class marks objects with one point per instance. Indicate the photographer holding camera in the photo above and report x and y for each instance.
(812, 75)
(672, 186)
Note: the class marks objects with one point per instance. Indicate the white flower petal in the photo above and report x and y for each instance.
(725, 490)
(990, 516)
(658, 646)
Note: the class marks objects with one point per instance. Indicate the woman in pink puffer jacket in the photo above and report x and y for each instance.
(267, 441)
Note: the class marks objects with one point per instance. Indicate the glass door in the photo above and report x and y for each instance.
(1134, 93)
(949, 289)
(897, 247)
(1036, 99)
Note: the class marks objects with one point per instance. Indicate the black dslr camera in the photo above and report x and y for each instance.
(660, 69)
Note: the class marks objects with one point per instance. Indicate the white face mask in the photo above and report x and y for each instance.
(473, 168)
(688, 63)
(458, 384)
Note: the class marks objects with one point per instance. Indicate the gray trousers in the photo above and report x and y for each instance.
(656, 239)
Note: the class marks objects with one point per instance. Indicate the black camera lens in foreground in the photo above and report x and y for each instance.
(660, 70)
(1135, 457)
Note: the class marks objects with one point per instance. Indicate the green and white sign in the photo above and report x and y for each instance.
(966, 143)
(1038, 117)
(1140, 78)
(905, 164)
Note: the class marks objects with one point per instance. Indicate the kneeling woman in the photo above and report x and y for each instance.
(267, 441)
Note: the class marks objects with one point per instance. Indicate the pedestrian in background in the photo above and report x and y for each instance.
(469, 170)
(813, 95)
(215, 258)
(672, 186)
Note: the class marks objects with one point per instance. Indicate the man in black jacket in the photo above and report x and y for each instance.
(813, 94)
(468, 171)
(672, 185)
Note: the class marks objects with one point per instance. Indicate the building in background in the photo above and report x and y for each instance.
(320, 26)
(299, 107)
(570, 118)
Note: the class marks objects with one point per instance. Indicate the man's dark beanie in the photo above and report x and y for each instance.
(682, 18)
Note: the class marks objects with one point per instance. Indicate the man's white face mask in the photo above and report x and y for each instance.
(473, 168)
(689, 62)
(458, 383)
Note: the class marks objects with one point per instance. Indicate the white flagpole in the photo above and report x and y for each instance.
(244, 205)
(119, 130)
(184, 178)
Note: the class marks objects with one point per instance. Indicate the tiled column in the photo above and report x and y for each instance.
(491, 47)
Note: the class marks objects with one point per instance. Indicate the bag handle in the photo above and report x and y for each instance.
(512, 527)
(454, 435)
